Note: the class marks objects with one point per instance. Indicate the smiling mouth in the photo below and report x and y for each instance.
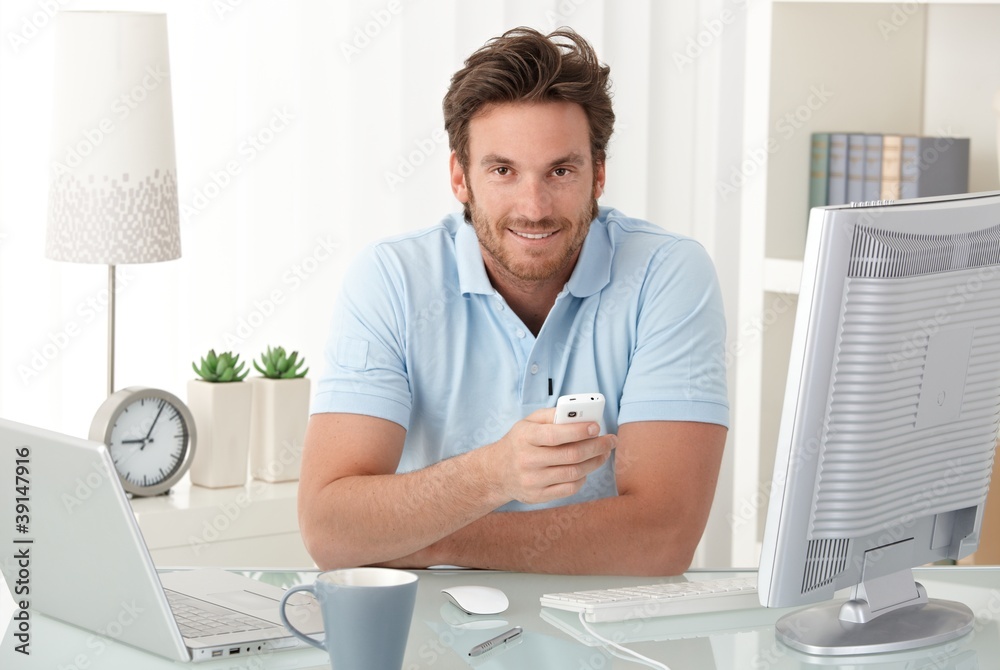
(533, 236)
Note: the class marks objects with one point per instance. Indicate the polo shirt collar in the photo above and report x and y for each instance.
(591, 274)
(472, 277)
(593, 268)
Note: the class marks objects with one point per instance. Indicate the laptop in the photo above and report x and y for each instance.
(77, 555)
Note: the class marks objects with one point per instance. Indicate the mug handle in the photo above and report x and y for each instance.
(284, 619)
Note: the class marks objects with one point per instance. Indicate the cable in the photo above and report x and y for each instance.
(633, 656)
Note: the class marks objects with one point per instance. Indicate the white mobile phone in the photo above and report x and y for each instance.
(579, 407)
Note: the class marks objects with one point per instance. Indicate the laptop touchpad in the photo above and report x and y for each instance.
(244, 600)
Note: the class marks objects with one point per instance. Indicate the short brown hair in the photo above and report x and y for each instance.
(522, 65)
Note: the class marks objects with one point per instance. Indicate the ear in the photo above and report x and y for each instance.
(598, 179)
(458, 185)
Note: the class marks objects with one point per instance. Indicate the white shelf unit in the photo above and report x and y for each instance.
(910, 68)
(249, 526)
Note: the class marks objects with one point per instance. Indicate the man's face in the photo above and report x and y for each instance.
(531, 187)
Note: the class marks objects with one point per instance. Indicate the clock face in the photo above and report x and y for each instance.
(148, 441)
(150, 437)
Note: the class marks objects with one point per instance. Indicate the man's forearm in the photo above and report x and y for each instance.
(618, 535)
(354, 509)
(369, 519)
(665, 473)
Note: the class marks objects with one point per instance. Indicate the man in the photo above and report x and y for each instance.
(431, 440)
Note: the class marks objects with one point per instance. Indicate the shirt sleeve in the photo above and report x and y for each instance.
(365, 362)
(678, 367)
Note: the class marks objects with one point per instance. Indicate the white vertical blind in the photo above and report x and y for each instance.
(306, 129)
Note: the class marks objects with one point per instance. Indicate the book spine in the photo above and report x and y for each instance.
(837, 175)
(942, 166)
(873, 168)
(819, 163)
(909, 157)
(891, 148)
(855, 167)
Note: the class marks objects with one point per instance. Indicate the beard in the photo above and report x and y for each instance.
(528, 266)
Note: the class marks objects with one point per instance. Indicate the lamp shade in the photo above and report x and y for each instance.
(113, 182)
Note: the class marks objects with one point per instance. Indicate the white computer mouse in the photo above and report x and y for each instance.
(477, 599)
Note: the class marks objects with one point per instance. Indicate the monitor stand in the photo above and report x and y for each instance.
(890, 613)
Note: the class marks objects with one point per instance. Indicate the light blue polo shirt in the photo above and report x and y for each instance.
(420, 337)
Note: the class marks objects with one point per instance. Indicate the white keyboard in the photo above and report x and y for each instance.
(655, 600)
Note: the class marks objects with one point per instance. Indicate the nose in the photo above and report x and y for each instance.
(534, 199)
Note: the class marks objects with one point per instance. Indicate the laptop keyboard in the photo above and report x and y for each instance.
(197, 618)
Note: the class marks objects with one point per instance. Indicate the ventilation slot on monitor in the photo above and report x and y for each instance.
(825, 559)
(888, 253)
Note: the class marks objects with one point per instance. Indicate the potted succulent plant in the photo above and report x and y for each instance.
(279, 416)
(220, 404)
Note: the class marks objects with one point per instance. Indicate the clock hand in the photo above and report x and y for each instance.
(141, 439)
(157, 418)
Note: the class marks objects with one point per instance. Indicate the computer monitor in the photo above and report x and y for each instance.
(889, 422)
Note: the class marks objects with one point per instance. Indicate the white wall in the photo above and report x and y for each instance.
(337, 112)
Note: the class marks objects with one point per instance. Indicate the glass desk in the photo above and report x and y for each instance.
(441, 636)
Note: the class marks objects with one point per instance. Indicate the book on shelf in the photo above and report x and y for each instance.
(873, 168)
(836, 182)
(819, 160)
(864, 167)
(855, 167)
(933, 166)
(892, 146)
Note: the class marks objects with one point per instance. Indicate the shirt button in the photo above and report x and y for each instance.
(520, 333)
(534, 369)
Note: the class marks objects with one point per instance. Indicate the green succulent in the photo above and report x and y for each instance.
(278, 365)
(225, 367)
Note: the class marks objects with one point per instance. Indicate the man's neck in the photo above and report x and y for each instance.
(530, 300)
(531, 308)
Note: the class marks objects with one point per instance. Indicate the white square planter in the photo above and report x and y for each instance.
(222, 414)
(278, 427)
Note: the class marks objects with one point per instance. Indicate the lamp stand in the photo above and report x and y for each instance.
(111, 329)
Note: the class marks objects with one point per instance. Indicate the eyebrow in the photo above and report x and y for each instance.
(569, 159)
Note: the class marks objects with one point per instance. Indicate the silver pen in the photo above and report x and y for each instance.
(503, 638)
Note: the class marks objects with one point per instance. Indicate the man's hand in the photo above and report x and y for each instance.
(538, 461)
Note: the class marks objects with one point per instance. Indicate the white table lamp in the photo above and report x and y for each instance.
(113, 188)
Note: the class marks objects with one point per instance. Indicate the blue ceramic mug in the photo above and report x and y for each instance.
(366, 616)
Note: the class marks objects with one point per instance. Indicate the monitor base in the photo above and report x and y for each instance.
(819, 630)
